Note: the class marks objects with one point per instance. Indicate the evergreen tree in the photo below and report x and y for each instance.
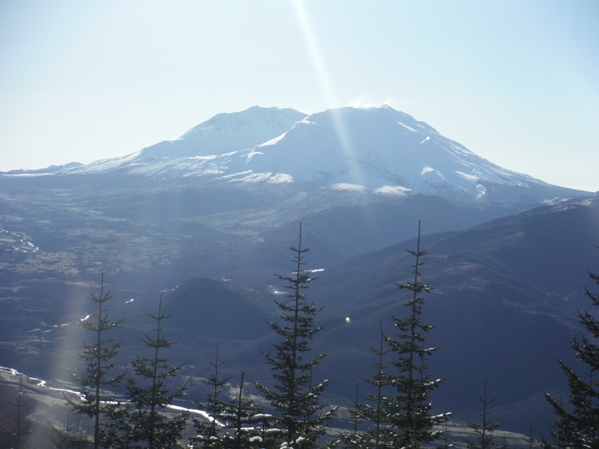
(354, 438)
(244, 416)
(64, 435)
(265, 432)
(356, 417)
(408, 412)
(293, 395)
(22, 426)
(485, 429)
(95, 402)
(144, 423)
(236, 415)
(447, 444)
(563, 428)
(372, 414)
(577, 426)
(208, 433)
(530, 440)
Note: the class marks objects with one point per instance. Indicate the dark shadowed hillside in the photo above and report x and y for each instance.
(505, 305)
(213, 308)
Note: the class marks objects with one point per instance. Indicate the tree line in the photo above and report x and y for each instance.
(398, 413)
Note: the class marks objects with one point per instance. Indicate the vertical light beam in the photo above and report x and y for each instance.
(325, 84)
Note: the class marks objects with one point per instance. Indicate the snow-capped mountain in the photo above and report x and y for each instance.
(225, 133)
(375, 150)
(380, 149)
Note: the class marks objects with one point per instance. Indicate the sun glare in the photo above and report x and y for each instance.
(324, 81)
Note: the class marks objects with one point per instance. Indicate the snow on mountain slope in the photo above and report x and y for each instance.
(193, 153)
(379, 147)
(378, 150)
(224, 133)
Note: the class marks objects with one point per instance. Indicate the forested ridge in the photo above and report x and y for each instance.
(141, 406)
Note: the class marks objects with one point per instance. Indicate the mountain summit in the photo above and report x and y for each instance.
(379, 151)
(224, 133)
(387, 151)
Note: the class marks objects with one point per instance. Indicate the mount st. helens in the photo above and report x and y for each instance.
(369, 150)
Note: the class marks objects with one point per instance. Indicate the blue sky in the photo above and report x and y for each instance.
(515, 81)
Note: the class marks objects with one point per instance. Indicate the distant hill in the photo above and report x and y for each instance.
(209, 307)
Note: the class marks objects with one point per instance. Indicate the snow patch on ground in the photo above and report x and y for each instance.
(349, 187)
(392, 191)
(17, 242)
(253, 177)
(407, 127)
(426, 170)
(26, 175)
(272, 141)
(480, 191)
(467, 176)
(252, 154)
(40, 383)
(280, 178)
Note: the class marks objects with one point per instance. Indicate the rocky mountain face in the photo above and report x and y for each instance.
(209, 218)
